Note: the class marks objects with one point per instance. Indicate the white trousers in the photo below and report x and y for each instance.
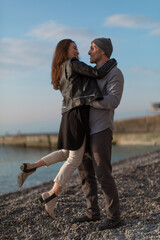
(73, 160)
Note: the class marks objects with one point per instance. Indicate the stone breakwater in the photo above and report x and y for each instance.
(30, 140)
(138, 181)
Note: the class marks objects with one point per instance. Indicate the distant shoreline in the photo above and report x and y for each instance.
(50, 140)
(141, 131)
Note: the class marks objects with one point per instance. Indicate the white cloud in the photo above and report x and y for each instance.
(133, 21)
(144, 71)
(156, 31)
(23, 55)
(54, 31)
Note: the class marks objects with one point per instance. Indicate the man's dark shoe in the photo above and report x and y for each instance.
(84, 218)
(109, 224)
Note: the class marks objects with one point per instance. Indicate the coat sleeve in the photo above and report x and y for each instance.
(114, 90)
(86, 70)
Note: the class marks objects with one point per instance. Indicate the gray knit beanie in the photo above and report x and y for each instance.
(105, 45)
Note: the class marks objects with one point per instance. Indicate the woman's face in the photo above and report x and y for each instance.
(72, 51)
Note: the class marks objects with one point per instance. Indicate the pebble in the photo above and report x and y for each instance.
(138, 181)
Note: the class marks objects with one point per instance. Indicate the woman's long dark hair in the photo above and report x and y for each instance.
(60, 56)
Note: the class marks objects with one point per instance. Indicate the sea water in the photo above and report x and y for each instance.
(12, 157)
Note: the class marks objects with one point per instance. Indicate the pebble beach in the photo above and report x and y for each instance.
(138, 182)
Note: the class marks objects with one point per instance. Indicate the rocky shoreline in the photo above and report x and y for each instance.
(138, 182)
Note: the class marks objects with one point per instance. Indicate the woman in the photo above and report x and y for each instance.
(75, 81)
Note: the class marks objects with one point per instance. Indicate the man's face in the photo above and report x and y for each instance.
(95, 53)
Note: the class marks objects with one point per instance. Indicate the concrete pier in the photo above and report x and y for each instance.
(31, 140)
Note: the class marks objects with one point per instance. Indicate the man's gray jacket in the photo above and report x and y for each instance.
(102, 112)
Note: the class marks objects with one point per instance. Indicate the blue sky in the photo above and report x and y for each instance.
(29, 32)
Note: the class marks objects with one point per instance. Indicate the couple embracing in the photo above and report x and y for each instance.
(90, 96)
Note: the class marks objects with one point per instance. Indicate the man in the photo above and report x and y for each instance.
(101, 128)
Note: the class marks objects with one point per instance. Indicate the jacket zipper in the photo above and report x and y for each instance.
(91, 95)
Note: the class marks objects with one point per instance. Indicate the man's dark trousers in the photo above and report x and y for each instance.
(99, 164)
